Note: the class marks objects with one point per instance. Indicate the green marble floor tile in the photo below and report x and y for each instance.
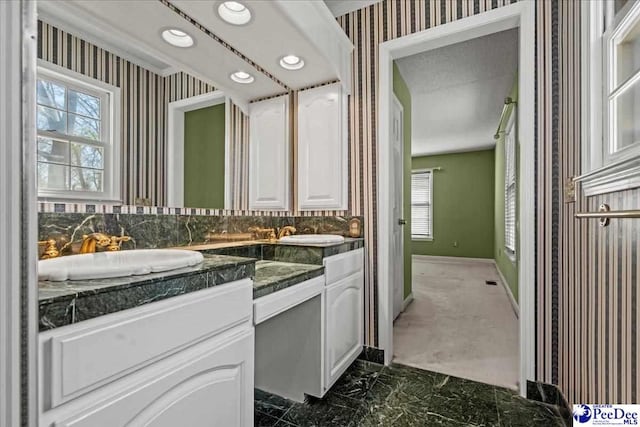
(356, 381)
(270, 404)
(263, 420)
(333, 410)
(514, 410)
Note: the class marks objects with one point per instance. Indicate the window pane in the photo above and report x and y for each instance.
(86, 179)
(87, 156)
(83, 126)
(86, 105)
(52, 120)
(53, 151)
(628, 54)
(627, 110)
(52, 177)
(51, 94)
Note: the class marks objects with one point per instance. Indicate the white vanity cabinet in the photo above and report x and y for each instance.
(188, 360)
(344, 312)
(322, 148)
(269, 154)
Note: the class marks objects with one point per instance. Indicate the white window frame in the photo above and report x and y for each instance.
(510, 142)
(420, 237)
(603, 170)
(110, 129)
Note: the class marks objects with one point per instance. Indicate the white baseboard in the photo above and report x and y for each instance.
(451, 259)
(408, 300)
(505, 284)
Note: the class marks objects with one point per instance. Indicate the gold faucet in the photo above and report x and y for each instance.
(116, 242)
(287, 230)
(267, 233)
(90, 241)
(50, 250)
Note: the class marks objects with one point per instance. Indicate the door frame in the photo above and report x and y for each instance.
(519, 15)
(19, 213)
(175, 144)
(395, 101)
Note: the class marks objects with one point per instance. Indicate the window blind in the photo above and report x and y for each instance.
(421, 205)
(510, 193)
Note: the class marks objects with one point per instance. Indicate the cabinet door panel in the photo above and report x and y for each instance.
(322, 148)
(269, 153)
(210, 384)
(344, 318)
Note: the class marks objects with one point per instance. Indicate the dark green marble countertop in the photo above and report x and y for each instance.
(273, 276)
(71, 301)
(285, 252)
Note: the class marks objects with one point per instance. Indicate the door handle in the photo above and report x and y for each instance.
(402, 222)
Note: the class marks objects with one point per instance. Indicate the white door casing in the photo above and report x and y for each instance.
(397, 167)
(269, 154)
(175, 144)
(322, 148)
(518, 15)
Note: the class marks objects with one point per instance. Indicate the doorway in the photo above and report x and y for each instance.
(176, 178)
(520, 16)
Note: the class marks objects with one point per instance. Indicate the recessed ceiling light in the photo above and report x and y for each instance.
(291, 62)
(242, 77)
(177, 38)
(234, 12)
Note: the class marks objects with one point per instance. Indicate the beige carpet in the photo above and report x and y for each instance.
(458, 325)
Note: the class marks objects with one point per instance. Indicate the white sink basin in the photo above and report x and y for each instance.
(306, 239)
(102, 265)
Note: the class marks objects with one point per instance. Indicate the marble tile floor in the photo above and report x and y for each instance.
(457, 324)
(369, 394)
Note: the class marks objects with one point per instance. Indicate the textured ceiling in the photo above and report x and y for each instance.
(457, 92)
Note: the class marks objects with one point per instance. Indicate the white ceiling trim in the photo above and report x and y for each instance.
(341, 7)
(65, 18)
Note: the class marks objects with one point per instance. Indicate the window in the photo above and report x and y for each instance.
(421, 205)
(510, 188)
(76, 129)
(622, 78)
(611, 93)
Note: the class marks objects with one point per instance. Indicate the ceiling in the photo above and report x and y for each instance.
(340, 7)
(131, 29)
(458, 91)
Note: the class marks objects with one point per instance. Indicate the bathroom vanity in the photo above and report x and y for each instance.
(176, 347)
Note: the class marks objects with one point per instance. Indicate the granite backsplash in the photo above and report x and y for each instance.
(164, 231)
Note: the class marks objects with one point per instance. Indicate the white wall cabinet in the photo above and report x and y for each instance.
(188, 360)
(344, 313)
(322, 148)
(269, 154)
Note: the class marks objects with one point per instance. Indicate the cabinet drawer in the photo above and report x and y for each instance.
(79, 358)
(266, 307)
(338, 267)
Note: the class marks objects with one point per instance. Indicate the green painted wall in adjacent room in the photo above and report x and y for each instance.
(402, 93)
(508, 267)
(204, 165)
(463, 205)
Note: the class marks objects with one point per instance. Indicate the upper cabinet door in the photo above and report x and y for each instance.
(322, 148)
(269, 154)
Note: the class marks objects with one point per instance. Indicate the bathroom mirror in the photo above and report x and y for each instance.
(160, 132)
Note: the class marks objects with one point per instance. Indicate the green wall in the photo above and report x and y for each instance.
(401, 91)
(204, 167)
(507, 266)
(463, 205)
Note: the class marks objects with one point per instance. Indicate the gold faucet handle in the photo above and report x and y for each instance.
(50, 250)
(116, 242)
